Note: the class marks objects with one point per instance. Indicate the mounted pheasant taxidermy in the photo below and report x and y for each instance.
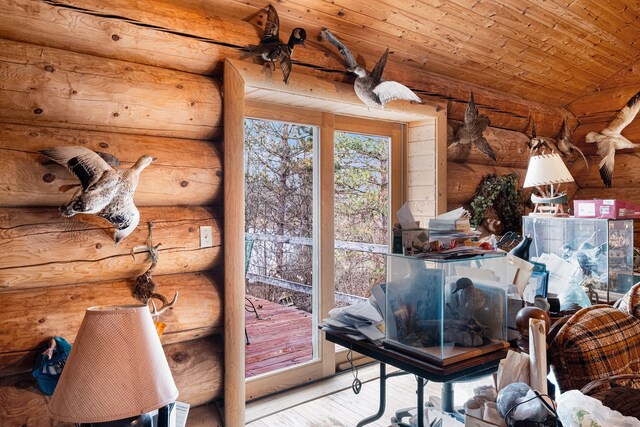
(610, 139)
(564, 144)
(372, 90)
(471, 131)
(105, 191)
(272, 50)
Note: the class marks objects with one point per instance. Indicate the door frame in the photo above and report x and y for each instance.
(242, 81)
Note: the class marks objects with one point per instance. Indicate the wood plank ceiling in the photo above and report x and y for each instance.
(548, 51)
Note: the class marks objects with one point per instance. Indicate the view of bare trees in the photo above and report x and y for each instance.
(279, 209)
(361, 209)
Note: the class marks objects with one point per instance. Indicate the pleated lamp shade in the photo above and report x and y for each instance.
(116, 369)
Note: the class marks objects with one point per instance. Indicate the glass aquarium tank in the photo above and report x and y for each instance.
(599, 250)
(445, 311)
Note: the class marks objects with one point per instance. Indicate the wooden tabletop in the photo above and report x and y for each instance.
(472, 367)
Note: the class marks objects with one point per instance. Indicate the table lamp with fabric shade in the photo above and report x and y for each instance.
(546, 172)
(116, 369)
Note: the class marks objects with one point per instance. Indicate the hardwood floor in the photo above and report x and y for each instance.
(281, 337)
(345, 409)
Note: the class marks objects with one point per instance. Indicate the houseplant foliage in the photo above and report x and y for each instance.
(501, 193)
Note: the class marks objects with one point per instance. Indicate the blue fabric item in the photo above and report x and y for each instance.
(47, 371)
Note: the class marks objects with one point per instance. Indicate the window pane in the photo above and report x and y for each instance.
(279, 224)
(361, 214)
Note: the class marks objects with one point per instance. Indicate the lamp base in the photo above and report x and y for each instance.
(549, 206)
(144, 420)
(164, 418)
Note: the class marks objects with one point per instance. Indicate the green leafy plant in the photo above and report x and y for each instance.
(501, 193)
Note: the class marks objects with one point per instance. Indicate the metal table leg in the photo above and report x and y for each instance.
(383, 398)
(447, 397)
(420, 402)
(447, 402)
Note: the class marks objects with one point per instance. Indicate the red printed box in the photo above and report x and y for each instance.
(605, 208)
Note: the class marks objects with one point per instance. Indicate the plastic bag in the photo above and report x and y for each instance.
(531, 409)
(577, 410)
(573, 294)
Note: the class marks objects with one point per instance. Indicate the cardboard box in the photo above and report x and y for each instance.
(418, 236)
(606, 209)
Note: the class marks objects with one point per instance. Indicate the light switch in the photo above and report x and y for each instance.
(206, 236)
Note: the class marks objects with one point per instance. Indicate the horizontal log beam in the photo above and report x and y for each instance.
(23, 404)
(606, 100)
(190, 175)
(41, 248)
(511, 148)
(54, 87)
(70, 28)
(463, 180)
(628, 194)
(32, 316)
(196, 367)
(596, 110)
(205, 416)
(625, 172)
(193, 37)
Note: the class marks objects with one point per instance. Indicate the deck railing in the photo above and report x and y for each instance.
(306, 241)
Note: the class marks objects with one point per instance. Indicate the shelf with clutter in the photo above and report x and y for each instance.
(594, 253)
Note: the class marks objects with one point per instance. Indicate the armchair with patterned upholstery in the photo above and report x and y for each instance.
(597, 351)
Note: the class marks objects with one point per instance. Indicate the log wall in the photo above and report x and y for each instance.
(595, 111)
(132, 78)
(53, 268)
(467, 166)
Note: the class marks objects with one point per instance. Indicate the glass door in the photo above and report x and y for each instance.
(362, 214)
(279, 239)
(290, 242)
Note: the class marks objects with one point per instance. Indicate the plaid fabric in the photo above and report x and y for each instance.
(596, 342)
(630, 302)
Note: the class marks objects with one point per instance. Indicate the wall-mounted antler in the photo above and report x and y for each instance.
(165, 304)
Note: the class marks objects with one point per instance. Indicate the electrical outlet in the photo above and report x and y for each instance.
(206, 236)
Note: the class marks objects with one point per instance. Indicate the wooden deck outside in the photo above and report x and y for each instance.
(281, 337)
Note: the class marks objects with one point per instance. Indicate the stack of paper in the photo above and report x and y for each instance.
(452, 225)
(361, 318)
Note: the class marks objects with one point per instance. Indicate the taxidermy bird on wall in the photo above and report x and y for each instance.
(370, 87)
(272, 50)
(565, 146)
(471, 130)
(609, 139)
(539, 145)
(105, 191)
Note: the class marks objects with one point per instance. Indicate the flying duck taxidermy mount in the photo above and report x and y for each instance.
(105, 191)
(564, 144)
(610, 139)
(539, 145)
(272, 50)
(372, 90)
(471, 131)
